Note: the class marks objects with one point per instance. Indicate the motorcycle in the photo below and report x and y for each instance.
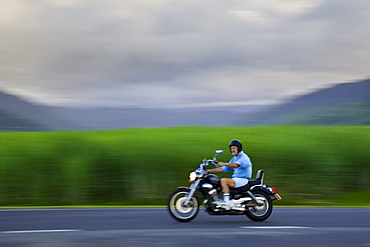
(253, 200)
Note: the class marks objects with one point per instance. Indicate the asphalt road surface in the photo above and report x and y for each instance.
(154, 227)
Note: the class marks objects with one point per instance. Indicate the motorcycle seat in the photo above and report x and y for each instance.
(253, 182)
(247, 186)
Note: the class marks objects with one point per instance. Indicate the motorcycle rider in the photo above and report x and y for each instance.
(241, 166)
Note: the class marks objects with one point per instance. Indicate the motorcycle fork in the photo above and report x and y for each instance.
(193, 188)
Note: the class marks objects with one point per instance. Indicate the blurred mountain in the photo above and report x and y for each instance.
(343, 104)
(117, 118)
(16, 114)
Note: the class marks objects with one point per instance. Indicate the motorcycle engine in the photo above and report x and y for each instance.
(209, 189)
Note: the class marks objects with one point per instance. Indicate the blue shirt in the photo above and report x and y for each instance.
(244, 170)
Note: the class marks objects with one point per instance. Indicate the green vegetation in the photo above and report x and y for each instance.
(308, 165)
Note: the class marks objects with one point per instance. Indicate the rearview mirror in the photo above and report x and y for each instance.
(218, 152)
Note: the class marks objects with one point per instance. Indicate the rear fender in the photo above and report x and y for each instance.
(261, 188)
(265, 190)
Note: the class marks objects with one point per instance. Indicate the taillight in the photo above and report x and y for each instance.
(273, 190)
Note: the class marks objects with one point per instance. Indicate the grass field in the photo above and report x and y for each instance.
(308, 165)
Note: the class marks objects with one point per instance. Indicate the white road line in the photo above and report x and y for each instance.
(41, 231)
(274, 227)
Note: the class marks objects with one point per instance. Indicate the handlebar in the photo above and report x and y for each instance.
(212, 161)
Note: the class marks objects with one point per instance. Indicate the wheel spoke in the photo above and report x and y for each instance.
(180, 210)
(260, 212)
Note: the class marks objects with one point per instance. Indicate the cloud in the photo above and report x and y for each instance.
(165, 52)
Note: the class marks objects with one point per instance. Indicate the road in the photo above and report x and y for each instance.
(154, 227)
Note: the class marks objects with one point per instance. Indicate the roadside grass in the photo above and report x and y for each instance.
(312, 166)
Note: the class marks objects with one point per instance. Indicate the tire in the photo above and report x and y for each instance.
(263, 212)
(180, 212)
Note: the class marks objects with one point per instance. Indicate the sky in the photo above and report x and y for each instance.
(166, 53)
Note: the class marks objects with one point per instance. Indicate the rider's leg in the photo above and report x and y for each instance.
(226, 184)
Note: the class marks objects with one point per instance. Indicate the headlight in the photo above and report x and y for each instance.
(192, 177)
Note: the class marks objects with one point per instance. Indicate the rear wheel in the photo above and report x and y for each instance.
(261, 212)
(178, 209)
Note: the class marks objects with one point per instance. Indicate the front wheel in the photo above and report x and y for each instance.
(261, 212)
(178, 210)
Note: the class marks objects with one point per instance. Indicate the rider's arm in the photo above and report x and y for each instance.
(221, 164)
(214, 170)
(231, 165)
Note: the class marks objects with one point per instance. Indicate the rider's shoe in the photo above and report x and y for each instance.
(225, 205)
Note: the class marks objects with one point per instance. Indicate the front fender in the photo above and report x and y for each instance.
(183, 188)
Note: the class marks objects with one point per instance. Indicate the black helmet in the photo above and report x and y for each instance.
(236, 143)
